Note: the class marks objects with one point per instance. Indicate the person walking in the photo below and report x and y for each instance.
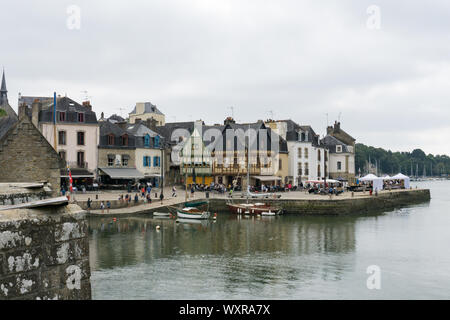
(136, 198)
(161, 196)
(174, 191)
(89, 201)
(108, 206)
(102, 206)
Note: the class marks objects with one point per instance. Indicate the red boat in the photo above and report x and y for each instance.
(252, 208)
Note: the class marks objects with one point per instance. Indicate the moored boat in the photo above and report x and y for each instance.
(192, 213)
(252, 208)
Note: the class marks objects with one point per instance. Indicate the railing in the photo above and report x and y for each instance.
(77, 164)
(198, 170)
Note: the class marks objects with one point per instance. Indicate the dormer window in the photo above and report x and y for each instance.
(156, 141)
(302, 136)
(147, 141)
(110, 139)
(125, 140)
(338, 148)
(62, 116)
(80, 117)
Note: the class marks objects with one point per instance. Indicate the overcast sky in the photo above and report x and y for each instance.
(195, 59)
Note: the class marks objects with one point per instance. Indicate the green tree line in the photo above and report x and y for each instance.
(408, 163)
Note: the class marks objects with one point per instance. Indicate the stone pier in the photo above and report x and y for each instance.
(44, 253)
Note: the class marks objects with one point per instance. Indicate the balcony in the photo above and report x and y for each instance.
(236, 169)
(203, 170)
(77, 164)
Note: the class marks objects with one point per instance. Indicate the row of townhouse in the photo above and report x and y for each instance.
(110, 151)
(300, 155)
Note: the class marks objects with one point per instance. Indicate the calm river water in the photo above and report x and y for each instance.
(285, 257)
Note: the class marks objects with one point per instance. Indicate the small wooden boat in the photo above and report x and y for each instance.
(192, 213)
(252, 208)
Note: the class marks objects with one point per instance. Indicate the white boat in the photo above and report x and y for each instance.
(192, 213)
(268, 213)
(161, 214)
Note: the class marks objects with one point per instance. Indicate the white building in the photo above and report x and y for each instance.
(148, 154)
(342, 153)
(307, 156)
(76, 128)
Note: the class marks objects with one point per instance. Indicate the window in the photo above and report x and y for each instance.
(146, 161)
(147, 141)
(280, 165)
(125, 140)
(326, 155)
(156, 161)
(80, 117)
(80, 138)
(62, 155)
(111, 158)
(318, 155)
(306, 153)
(299, 151)
(339, 165)
(306, 169)
(299, 169)
(62, 138)
(302, 136)
(318, 171)
(125, 159)
(80, 159)
(338, 148)
(62, 116)
(156, 142)
(110, 139)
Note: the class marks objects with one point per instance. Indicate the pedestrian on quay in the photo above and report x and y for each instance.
(174, 191)
(108, 206)
(149, 198)
(89, 201)
(143, 192)
(102, 206)
(136, 198)
(192, 191)
(161, 196)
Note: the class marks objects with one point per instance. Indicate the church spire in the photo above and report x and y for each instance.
(3, 91)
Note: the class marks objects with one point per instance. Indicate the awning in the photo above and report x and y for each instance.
(122, 173)
(77, 173)
(267, 178)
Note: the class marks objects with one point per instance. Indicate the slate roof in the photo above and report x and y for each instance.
(107, 128)
(331, 142)
(6, 123)
(63, 104)
(148, 108)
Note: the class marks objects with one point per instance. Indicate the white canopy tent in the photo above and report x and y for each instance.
(387, 177)
(402, 177)
(376, 181)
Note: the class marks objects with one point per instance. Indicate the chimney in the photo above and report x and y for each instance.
(122, 125)
(151, 124)
(36, 107)
(337, 126)
(228, 120)
(87, 105)
(22, 111)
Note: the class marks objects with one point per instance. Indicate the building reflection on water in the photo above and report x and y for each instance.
(256, 250)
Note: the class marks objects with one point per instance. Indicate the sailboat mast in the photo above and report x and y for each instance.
(248, 162)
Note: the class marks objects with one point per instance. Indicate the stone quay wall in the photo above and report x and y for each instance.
(336, 206)
(44, 254)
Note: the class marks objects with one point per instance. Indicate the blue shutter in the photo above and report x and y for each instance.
(154, 161)
(145, 161)
(157, 142)
(149, 161)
